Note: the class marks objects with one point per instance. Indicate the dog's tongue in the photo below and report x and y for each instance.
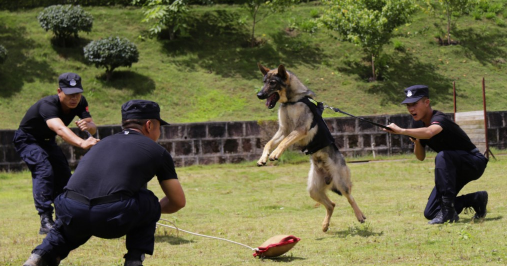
(272, 99)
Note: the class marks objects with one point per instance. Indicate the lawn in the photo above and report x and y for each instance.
(249, 204)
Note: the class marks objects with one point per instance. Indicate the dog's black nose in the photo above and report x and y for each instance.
(261, 95)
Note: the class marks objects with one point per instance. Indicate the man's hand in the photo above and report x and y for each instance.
(88, 143)
(82, 125)
(395, 129)
(87, 125)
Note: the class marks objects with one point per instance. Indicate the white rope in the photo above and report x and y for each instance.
(174, 227)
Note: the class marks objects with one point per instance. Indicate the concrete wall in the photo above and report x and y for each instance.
(233, 142)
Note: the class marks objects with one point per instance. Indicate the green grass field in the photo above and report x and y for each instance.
(248, 204)
(211, 75)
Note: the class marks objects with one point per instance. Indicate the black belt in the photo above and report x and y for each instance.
(96, 201)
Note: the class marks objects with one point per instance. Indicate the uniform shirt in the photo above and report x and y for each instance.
(121, 163)
(452, 137)
(34, 121)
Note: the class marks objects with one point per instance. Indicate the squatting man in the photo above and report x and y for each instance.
(458, 161)
(106, 196)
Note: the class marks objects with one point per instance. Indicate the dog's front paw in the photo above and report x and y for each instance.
(261, 162)
(275, 155)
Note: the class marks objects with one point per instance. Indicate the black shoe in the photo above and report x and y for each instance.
(46, 223)
(133, 263)
(134, 258)
(447, 212)
(439, 219)
(479, 205)
(35, 260)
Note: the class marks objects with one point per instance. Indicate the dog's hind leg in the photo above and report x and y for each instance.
(343, 184)
(317, 188)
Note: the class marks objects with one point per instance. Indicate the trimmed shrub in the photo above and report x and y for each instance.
(110, 53)
(65, 21)
(3, 54)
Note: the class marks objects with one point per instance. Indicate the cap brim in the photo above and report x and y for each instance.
(72, 90)
(411, 100)
(163, 123)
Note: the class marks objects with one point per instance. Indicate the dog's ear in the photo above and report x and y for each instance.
(263, 69)
(282, 72)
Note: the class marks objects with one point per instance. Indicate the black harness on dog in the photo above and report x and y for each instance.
(323, 137)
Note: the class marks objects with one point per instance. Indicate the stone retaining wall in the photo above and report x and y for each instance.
(233, 142)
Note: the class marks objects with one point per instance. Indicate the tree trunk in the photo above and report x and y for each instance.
(449, 14)
(374, 76)
(252, 38)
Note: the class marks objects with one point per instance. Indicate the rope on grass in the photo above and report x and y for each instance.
(213, 237)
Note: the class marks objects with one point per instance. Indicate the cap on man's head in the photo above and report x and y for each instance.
(415, 93)
(70, 83)
(141, 109)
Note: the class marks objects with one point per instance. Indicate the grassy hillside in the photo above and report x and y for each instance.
(211, 75)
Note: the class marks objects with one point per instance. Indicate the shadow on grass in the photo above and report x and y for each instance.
(220, 44)
(73, 50)
(284, 258)
(484, 46)
(21, 67)
(363, 230)
(172, 240)
(404, 70)
(487, 219)
(125, 79)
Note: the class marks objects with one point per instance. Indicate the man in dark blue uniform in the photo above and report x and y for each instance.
(457, 162)
(35, 142)
(106, 198)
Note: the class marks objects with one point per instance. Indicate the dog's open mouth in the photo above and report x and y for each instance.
(272, 99)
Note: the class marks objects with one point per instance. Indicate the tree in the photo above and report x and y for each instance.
(111, 53)
(65, 21)
(452, 7)
(3, 54)
(367, 23)
(259, 9)
(170, 14)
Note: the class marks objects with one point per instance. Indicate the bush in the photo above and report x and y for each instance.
(3, 54)
(111, 53)
(65, 21)
(399, 45)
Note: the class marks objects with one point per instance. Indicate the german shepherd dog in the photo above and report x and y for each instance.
(296, 117)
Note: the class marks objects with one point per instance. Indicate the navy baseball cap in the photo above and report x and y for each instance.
(141, 109)
(70, 83)
(415, 93)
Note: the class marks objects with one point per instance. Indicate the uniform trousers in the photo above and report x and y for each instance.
(49, 166)
(453, 170)
(134, 217)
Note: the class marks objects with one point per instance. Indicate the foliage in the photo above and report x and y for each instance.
(65, 21)
(19, 4)
(171, 14)
(367, 23)
(176, 73)
(3, 54)
(111, 53)
(260, 9)
(453, 8)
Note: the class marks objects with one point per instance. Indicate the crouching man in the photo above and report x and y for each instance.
(106, 198)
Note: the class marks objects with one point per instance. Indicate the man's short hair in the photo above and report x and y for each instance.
(133, 123)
